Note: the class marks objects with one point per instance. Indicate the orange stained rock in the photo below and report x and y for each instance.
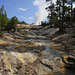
(21, 44)
(50, 73)
(62, 67)
(31, 45)
(60, 36)
(4, 42)
(53, 45)
(41, 55)
(47, 73)
(56, 46)
(63, 64)
(17, 39)
(65, 57)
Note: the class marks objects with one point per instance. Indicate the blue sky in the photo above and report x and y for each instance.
(23, 9)
(30, 11)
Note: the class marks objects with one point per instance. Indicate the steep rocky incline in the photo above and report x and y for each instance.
(29, 53)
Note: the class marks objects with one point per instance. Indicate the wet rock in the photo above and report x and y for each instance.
(71, 57)
(49, 32)
(20, 49)
(72, 52)
(69, 61)
(69, 48)
(10, 47)
(52, 64)
(62, 38)
(17, 37)
(42, 69)
(32, 48)
(31, 33)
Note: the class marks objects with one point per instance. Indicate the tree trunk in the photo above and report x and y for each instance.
(59, 11)
(51, 12)
(62, 27)
(71, 12)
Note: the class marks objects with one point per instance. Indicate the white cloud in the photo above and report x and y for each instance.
(28, 19)
(31, 18)
(23, 17)
(22, 9)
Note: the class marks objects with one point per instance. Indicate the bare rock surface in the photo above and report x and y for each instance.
(32, 54)
(50, 31)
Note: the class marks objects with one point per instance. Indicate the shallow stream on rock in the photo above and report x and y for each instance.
(49, 53)
(67, 72)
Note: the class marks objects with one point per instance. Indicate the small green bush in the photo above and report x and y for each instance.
(1, 34)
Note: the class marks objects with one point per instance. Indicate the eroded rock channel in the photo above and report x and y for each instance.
(31, 53)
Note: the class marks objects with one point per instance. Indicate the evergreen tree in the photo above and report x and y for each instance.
(0, 20)
(51, 10)
(73, 19)
(70, 2)
(58, 9)
(3, 18)
(12, 23)
(22, 22)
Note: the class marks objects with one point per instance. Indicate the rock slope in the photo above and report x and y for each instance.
(27, 53)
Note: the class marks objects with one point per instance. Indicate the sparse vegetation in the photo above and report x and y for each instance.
(1, 34)
(8, 24)
(38, 50)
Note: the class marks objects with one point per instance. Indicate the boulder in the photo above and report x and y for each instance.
(29, 57)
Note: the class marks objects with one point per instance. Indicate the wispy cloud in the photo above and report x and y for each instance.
(30, 18)
(27, 18)
(22, 9)
(22, 17)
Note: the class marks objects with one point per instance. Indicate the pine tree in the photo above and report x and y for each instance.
(71, 3)
(51, 10)
(12, 23)
(73, 19)
(0, 20)
(58, 11)
(3, 18)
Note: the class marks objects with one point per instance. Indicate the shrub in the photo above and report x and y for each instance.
(1, 34)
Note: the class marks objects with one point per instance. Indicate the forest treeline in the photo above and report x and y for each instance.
(61, 14)
(6, 23)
